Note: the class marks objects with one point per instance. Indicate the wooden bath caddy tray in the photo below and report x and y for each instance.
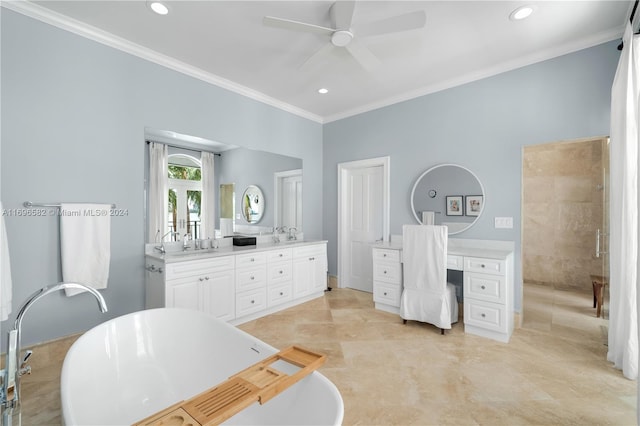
(260, 383)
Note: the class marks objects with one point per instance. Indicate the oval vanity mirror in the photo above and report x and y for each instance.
(252, 204)
(448, 194)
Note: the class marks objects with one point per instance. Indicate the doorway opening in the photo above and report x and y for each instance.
(565, 227)
(363, 219)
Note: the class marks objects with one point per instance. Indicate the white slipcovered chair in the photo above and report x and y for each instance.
(427, 296)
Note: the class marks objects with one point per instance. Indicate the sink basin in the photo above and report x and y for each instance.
(173, 247)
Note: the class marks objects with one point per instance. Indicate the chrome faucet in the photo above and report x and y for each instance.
(185, 241)
(14, 367)
(161, 248)
(292, 233)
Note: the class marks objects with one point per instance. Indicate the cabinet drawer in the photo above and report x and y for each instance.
(386, 255)
(310, 251)
(279, 255)
(487, 315)
(388, 272)
(252, 259)
(386, 293)
(279, 272)
(486, 266)
(249, 278)
(279, 294)
(491, 288)
(455, 262)
(197, 267)
(251, 301)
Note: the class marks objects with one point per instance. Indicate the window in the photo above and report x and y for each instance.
(185, 195)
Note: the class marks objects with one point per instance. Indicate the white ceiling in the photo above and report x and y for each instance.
(226, 42)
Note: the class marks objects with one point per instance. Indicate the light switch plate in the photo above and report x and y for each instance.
(504, 222)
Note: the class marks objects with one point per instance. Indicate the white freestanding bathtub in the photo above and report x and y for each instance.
(136, 365)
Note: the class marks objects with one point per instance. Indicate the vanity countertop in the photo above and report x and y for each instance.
(461, 247)
(191, 254)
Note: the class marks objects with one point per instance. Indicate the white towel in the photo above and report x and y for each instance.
(428, 218)
(5, 272)
(85, 244)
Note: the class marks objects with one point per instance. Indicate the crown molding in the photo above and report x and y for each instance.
(524, 61)
(82, 29)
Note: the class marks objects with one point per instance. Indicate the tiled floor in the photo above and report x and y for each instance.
(553, 371)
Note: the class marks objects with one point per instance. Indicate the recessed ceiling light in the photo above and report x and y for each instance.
(323, 91)
(158, 7)
(521, 13)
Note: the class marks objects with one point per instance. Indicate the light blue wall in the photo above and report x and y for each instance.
(481, 125)
(73, 119)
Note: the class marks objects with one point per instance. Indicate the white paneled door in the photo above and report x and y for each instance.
(362, 223)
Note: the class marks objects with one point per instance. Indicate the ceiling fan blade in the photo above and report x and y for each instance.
(363, 55)
(342, 14)
(288, 24)
(317, 57)
(408, 21)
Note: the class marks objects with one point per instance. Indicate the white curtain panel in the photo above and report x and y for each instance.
(158, 190)
(207, 216)
(623, 247)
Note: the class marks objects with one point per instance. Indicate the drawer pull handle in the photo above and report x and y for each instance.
(482, 287)
(280, 255)
(206, 278)
(252, 278)
(253, 301)
(253, 260)
(201, 279)
(482, 315)
(281, 294)
(281, 272)
(385, 293)
(384, 255)
(312, 258)
(482, 265)
(384, 272)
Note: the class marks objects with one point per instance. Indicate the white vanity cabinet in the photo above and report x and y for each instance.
(251, 283)
(487, 270)
(238, 284)
(203, 285)
(488, 298)
(279, 276)
(309, 269)
(387, 279)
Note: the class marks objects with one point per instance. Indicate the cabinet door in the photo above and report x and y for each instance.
(319, 272)
(184, 293)
(302, 276)
(219, 295)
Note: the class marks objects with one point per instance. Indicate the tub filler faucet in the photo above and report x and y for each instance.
(16, 367)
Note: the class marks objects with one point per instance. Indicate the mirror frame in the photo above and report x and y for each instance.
(484, 195)
(252, 190)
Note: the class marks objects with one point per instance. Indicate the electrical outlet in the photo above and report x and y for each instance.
(504, 222)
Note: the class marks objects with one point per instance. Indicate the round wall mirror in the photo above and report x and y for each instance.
(448, 194)
(252, 204)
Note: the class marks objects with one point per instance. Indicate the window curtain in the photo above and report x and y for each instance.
(623, 247)
(158, 191)
(207, 216)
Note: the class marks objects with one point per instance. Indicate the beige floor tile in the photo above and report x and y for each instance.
(552, 372)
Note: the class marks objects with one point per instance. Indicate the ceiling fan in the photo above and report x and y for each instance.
(341, 35)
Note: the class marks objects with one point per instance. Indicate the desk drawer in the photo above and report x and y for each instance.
(279, 272)
(455, 262)
(386, 293)
(487, 315)
(486, 266)
(279, 294)
(385, 255)
(251, 259)
(251, 301)
(247, 279)
(491, 288)
(388, 272)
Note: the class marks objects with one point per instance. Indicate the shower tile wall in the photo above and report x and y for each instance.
(562, 208)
